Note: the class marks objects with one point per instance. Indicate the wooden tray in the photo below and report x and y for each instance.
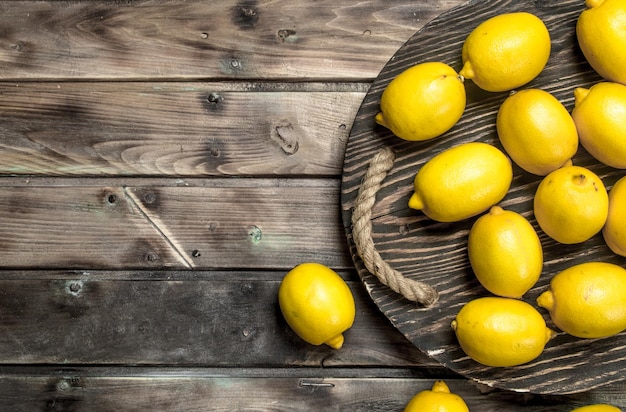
(436, 253)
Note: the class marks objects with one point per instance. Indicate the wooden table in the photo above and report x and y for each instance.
(163, 165)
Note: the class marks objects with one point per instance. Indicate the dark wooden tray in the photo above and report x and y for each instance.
(435, 253)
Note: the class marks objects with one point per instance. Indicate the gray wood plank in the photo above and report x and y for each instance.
(174, 129)
(68, 390)
(231, 225)
(82, 319)
(245, 40)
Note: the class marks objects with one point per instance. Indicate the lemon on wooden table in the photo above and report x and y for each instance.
(614, 230)
(437, 399)
(461, 182)
(422, 102)
(598, 407)
(571, 204)
(317, 304)
(600, 117)
(601, 34)
(587, 300)
(536, 131)
(498, 331)
(506, 51)
(505, 252)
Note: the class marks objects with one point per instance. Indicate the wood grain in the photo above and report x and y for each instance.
(195, 40)
(71, 389)
(436, 253)
(253, 224)
(177, 320)
(187, 129)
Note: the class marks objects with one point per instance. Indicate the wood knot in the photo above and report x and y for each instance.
(286, 137)
(286, 35)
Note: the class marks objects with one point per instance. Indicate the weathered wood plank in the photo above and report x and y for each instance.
(327, 39)
(246, 227)
(76, 392)
(82, 319)
(80, 227)
(229, 226)
(182, 129)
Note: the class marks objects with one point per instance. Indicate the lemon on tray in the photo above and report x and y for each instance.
(600, 117)
(317, 304)
(505, 252)
(506, 51)
(437, 399)
(587, 300)
(461, 182)
(598, 407)
(614, 230)
(498, 331)
(422, 102)
(601, 34)
(536, 131)
(571, 204)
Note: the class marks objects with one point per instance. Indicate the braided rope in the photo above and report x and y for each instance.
(412, 290)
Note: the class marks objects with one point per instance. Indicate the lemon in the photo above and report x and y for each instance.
(571, 204)
(505, 252)
(437, 399)
(587, 300)
(600, 117)
(536, 131)
(422, 102)
(614, 230)
(506, 51)
(601, 33)
(317, 304)
(599, 407)
(461, 182)
(497, 331)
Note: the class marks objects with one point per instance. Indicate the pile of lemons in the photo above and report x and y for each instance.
(571, 203)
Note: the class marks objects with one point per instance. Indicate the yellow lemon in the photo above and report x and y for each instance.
(497, 331)
(571, 204)
(537, 131)
(599, 407)
(506, 51)
(437, 399)
(600, 117)
(614, 230)
(505, 252)
(588, 300)
(422, 102)
(317, 304)
(461, 182)
(601, 33)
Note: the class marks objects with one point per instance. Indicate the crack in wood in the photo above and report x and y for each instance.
(137, 204)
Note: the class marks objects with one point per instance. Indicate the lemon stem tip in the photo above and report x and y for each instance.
(415, 202)
(546, 300)
(579, 179)
(579, 95)
(335, 342)
(380, 119)
(440, 386)
(593, 3)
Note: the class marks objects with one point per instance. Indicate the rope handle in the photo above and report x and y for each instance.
(411, 289)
